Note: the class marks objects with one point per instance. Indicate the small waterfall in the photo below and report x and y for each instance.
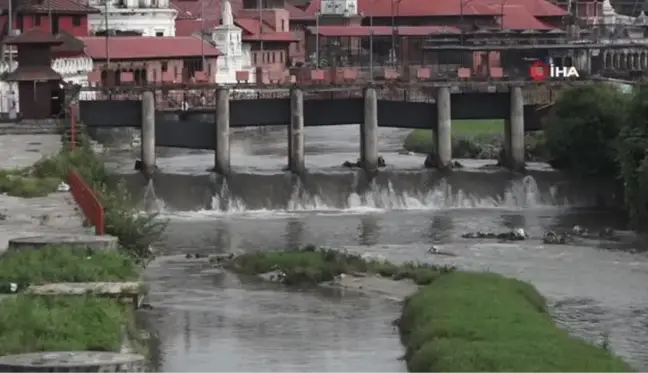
(150, 200)
(224, 201)
(523, 193)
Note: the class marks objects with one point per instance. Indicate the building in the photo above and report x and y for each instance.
(141, 17)
(264, 32)
(49, 16)
(145, 60)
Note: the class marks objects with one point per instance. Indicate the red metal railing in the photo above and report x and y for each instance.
(87, 201)
(83, 194)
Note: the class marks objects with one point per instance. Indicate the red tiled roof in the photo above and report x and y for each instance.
(517, 17)
(33, 36)
(252, 31)
(297, 13)
(147, 47)
(189, 27)
(416, 8)
(383, 30)
(56, 6)
(537, 8)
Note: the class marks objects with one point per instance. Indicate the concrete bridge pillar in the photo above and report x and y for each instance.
(514, 144)
(369, 131)
(296, 132)
(222, 151)
(443, 133)
(148, 134)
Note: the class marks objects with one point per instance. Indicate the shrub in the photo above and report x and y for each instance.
(581, 129)
(484, 322)
(135, 231)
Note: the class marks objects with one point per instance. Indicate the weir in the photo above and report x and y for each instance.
(239, 193)
(209, 127)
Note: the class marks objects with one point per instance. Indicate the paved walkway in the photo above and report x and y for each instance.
(20, 217)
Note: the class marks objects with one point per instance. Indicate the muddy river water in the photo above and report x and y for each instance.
(214, 322)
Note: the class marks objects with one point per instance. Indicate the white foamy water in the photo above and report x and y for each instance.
(523, 194)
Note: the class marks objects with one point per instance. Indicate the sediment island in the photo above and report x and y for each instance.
(451, 320)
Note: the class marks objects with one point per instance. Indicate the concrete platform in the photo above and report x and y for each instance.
(81, 241)
(73, 361)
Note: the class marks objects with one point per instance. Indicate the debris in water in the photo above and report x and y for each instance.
(518, 234)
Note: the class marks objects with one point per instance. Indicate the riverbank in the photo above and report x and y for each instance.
(475, 139)
(61, 316)
(444, 310)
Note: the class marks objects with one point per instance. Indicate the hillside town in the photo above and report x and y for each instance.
(111, 43)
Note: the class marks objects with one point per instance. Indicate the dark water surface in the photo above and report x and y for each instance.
(213, 322)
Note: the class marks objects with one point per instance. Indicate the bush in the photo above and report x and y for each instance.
(312, 266)
(581, 129)
(22, 183)
(34, 324)
(483, 322)
(64, 264)
(135, 231)
(632, 146)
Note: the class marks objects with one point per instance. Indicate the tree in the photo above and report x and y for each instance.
(632, 147)
(582, 127)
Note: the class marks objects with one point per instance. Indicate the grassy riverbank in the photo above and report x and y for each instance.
(29, 324)
(454, 321)
(478, 322)
(311, 266)
(59, 323)
(480, 139)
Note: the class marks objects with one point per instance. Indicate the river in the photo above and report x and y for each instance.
(211, 322)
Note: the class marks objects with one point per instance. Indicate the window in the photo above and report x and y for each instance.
(37, 20)
(76, 21)
(164, 66)
(283, 25)
(159, 33)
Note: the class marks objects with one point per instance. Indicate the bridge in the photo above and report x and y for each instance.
(214, 109)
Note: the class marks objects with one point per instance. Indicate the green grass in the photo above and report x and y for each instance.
(61, 324)
(478, 322)
(23, 183)
(469, 136)
(312, 266)
(63, 264)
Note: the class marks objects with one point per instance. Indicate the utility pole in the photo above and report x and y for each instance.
(106, 35)
(371, 47)
(10, 29)
(317, 36)
(393, 35)
(49, 15)
(202, 34)
(260, 2)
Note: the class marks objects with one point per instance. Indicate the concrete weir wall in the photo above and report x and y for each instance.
(209, 128)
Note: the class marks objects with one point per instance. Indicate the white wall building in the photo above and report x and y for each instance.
(148, 17)
(236, 55)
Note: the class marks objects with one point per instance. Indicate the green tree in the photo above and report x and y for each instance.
(582, 127)
(632, 146)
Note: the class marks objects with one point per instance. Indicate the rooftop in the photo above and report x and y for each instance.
(143, 47)
(44, 6)
(334, 31)
(33, 36)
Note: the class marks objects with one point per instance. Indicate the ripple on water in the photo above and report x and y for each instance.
(209, 323)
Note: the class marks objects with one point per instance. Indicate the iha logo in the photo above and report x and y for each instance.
(541, 71)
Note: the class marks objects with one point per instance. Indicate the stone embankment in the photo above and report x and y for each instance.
(19, 217)
(46, 255)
